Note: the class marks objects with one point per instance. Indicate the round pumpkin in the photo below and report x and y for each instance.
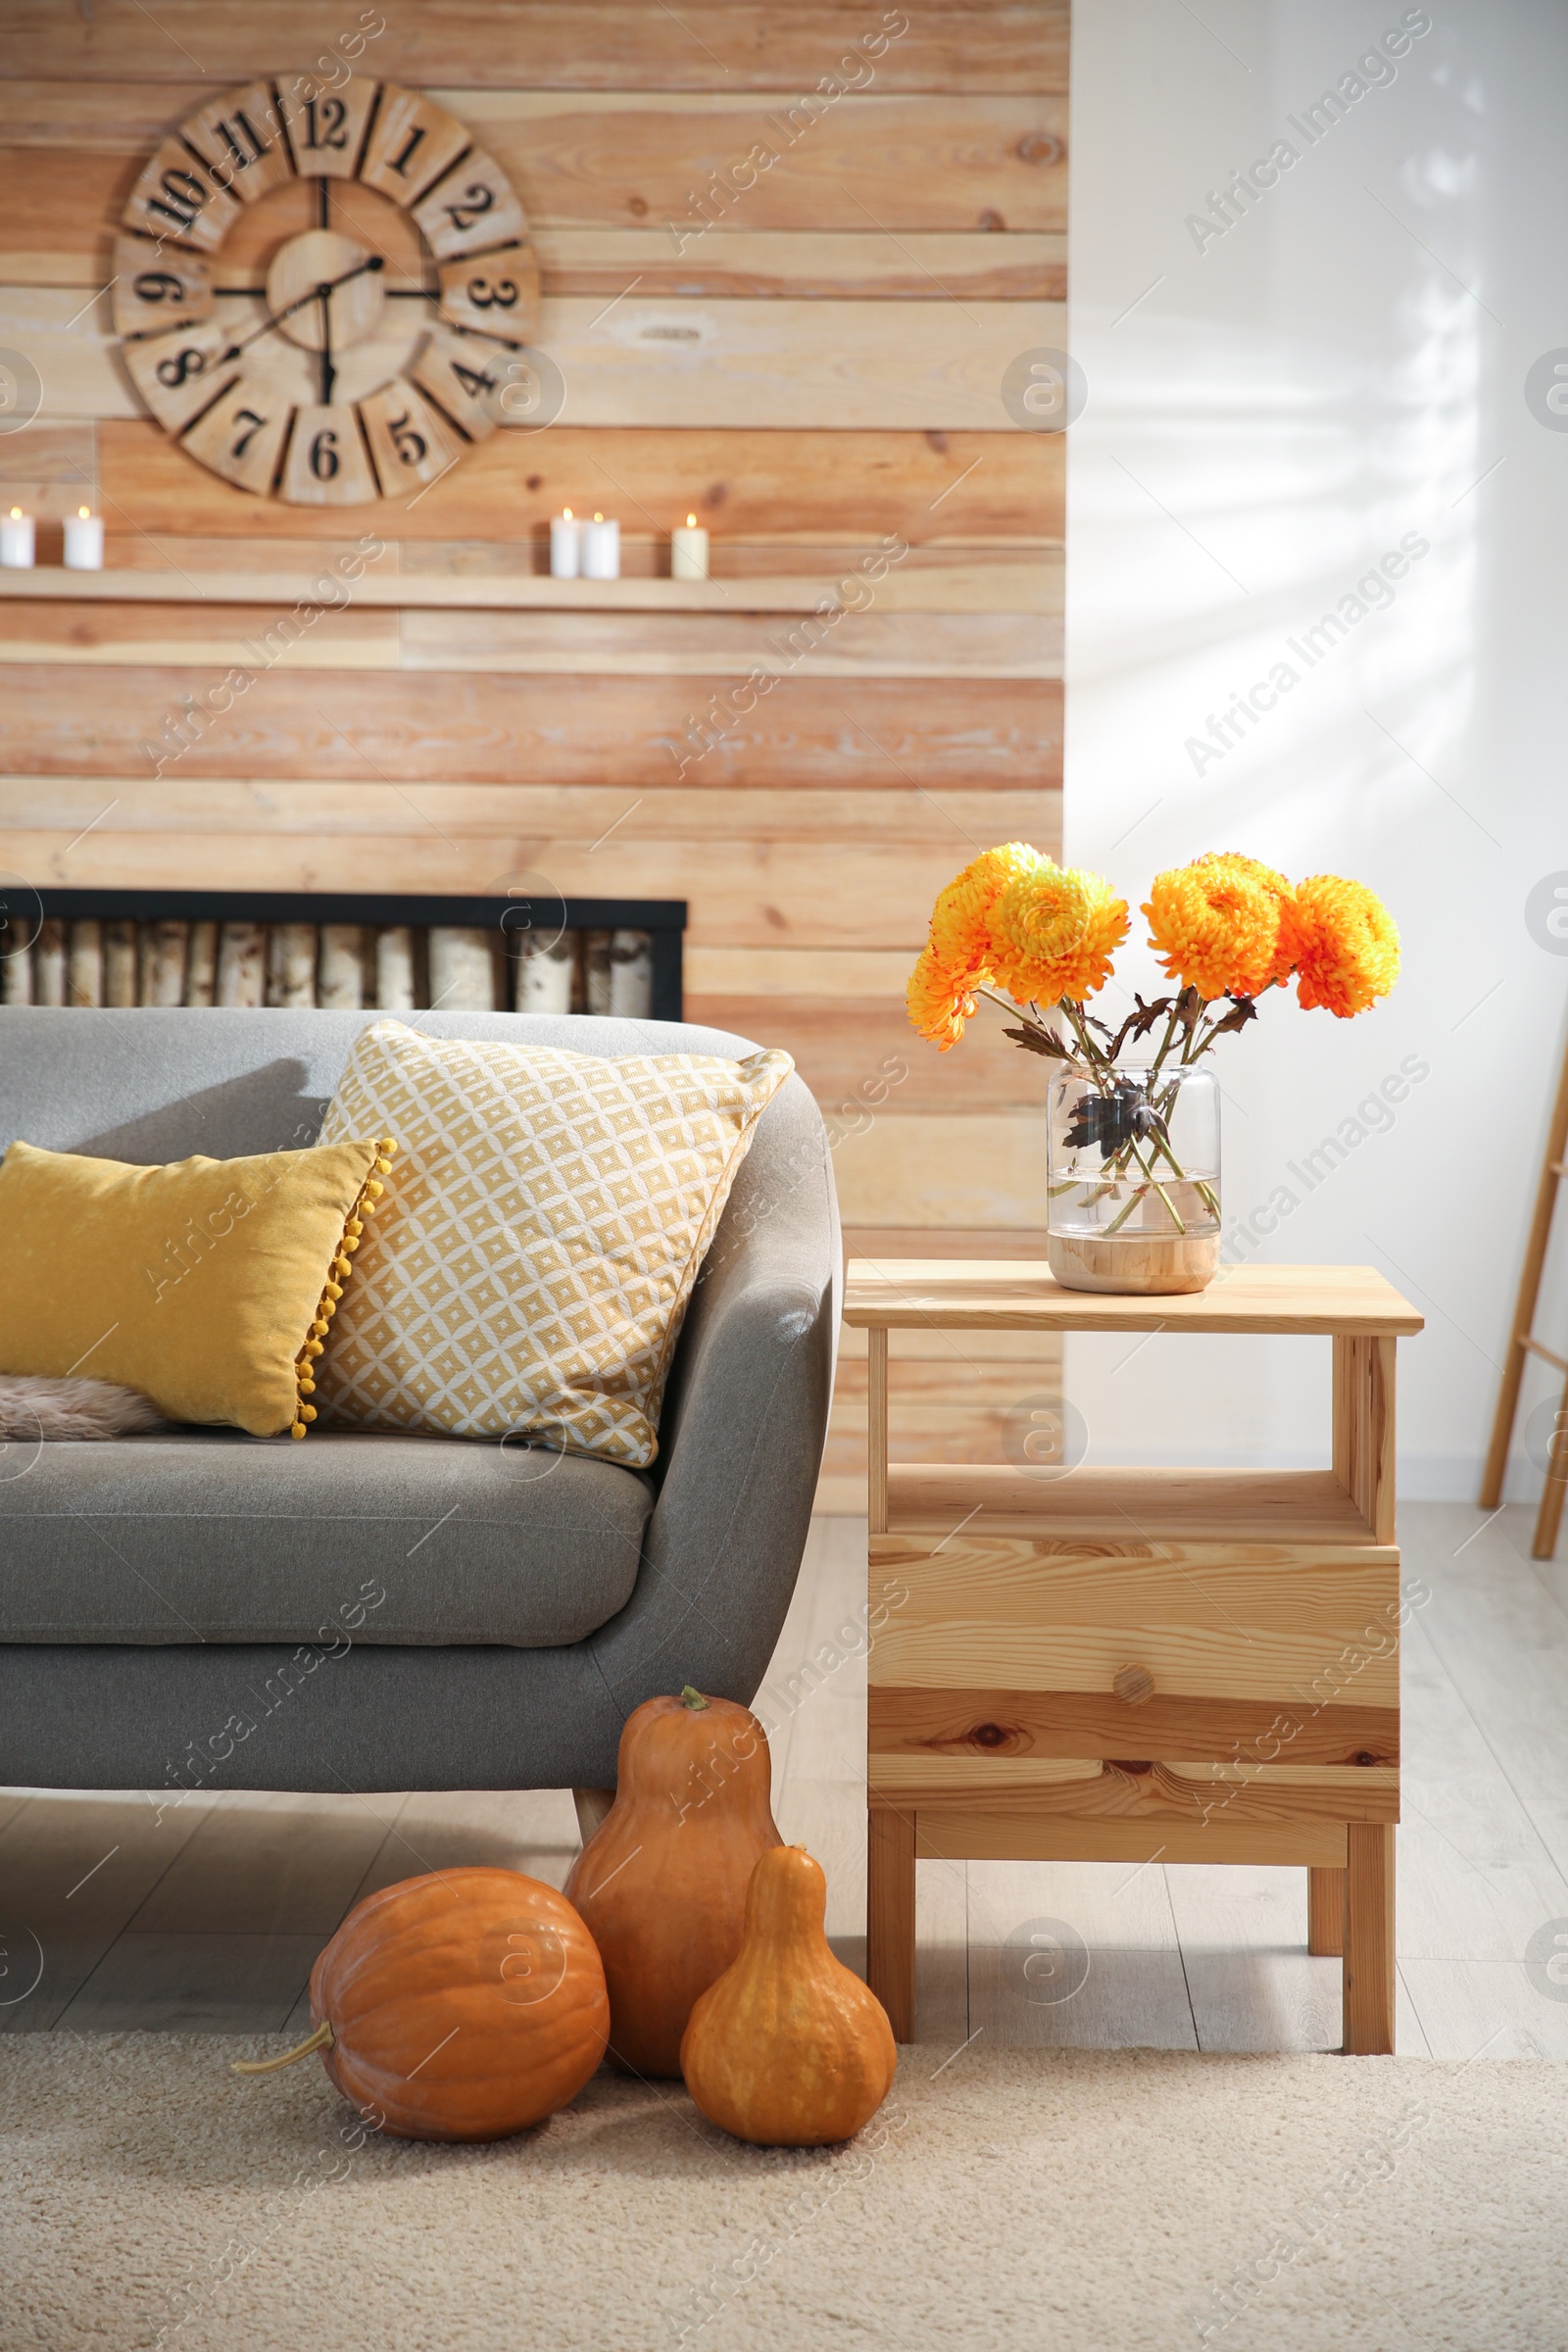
(789, 2048)
(463, 2005)
(661, 1884)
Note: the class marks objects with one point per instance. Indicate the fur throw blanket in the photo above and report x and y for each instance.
(33, 1410)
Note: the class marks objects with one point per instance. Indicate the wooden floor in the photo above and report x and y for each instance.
(205, 1918)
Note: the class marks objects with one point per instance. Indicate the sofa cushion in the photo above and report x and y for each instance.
(210, 1536)
(540, 1238)
(206, 1285)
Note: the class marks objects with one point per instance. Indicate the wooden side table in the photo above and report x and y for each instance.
(1140, 1665)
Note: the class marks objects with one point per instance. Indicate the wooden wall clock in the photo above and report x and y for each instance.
(322, 293)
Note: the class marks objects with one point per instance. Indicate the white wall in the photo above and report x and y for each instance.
(1345, 365)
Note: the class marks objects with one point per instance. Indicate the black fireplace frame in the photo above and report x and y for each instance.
(664, 919)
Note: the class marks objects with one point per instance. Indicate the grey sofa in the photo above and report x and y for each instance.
(200, 1608)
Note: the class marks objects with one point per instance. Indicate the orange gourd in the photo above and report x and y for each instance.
(464, 2005)
(661, 1884)
(789, 2048)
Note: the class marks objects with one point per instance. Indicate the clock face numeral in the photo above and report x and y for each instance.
(155, 289)
(327, 464)
(175, 198)
(410, 441)
(241, 436)
(177, 374)
(472, 208)
(239, 137)
(495, 295)
(326, 127)
(412, 143)
(462, 378)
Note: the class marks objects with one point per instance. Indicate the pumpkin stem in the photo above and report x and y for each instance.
(320, 2039)
(692, 1698)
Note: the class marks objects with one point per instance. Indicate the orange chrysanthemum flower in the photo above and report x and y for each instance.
(1217, 924)
(959, 934)
(1054, 934)
(1344, 947)
(959, 958)
(939, 1001)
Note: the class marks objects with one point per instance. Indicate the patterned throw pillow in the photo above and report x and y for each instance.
(536, 1248)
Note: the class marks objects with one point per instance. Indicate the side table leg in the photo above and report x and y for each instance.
(1369, 1940)
(1325, 1913)
(890, 1916)
(1549, 1516)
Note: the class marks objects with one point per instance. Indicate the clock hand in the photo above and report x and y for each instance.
(275, 319)
(327, 370)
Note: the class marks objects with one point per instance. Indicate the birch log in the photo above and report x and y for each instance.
(200, 964)
(462, 976)
(340, 985)
(394, 969)
(119, 964)
(291, 966)
(596, 971)
(631, 975)
(242, 965)
(542, 975)
(163, 948)
(84, 970)
(15, 975)
(49, 965)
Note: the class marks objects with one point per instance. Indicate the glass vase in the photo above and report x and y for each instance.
(1132, 1161)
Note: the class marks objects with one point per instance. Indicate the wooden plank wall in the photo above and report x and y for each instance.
(817, 372)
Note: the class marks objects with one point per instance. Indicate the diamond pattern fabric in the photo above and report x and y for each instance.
(539, 1238)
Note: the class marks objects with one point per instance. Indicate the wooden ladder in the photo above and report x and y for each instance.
(1522, 1343)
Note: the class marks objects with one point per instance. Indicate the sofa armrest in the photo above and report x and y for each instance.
(743, 1428)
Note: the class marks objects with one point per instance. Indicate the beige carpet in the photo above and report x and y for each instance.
(1041, 2201)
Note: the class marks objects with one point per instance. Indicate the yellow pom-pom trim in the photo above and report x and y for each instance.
(340, 1267)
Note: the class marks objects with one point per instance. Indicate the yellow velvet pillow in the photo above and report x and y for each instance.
(208, 1285)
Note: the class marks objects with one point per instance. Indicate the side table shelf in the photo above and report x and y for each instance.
(1141, 1665)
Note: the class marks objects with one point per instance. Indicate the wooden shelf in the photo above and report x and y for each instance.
(1115, 1506)
(1023, 1294)
(938, 588)
(487, 592)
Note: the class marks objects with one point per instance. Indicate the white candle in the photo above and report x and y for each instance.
(601, 550)
(16, 541)
(85, 540)
(688, 552)
(565, 547)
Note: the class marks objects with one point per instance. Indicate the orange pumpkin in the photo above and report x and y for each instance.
(661, 1884)
(464, 2005)
(789, 2048)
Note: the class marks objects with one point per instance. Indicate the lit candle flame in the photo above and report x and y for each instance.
(86, 512)
(691, 523)
(16, 514)
(565, 513)
(599, 518)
